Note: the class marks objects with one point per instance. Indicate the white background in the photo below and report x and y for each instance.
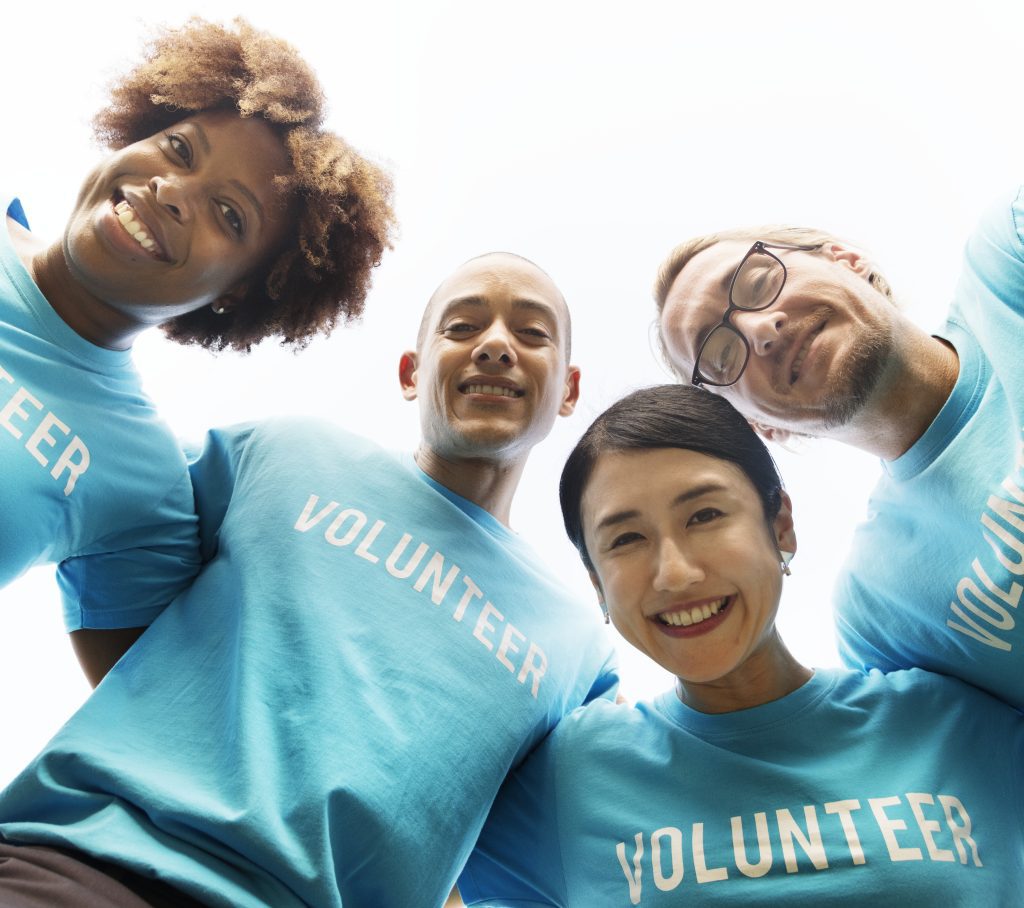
(590, 137)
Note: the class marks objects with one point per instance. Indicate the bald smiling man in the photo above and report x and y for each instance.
(325, 717)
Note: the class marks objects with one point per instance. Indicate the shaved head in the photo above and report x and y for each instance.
(495, 260)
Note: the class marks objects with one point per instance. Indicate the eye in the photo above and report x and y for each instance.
(233, 218)
(704, 515)
(459, 328)
(536, 333)
(180, 147)
(624, 539)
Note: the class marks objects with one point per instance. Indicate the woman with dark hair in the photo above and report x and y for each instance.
(756, 780)
(225, 213)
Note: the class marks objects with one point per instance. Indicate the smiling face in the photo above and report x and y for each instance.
(685, 560)
(816, 355)
(181, 219)
(491, 372)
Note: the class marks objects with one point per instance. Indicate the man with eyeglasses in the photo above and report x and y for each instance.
(800, 332)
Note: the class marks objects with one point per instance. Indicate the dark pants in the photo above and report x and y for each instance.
(33, 876)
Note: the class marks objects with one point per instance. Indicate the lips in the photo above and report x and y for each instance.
(492, 387)
(797, 362)
(694, 614)
(138, 228)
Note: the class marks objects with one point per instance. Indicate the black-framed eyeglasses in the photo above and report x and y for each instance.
(756, 284)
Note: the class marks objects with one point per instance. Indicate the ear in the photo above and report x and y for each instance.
(852, 258)
(231, 299)
(770, 433)
(407, 374)
(572, 392)
(785, 536)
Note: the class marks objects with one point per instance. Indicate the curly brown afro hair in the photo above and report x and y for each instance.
(343, 212)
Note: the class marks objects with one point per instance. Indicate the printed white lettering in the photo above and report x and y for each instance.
(306, 519)
(433, 570)
(358, 522)
(483, 624)
(633, 876)
(67, 461)
(764, 846)
(928, 827)
(789, 829)
(436, 578)
(401, 573)
(13, 408)
(962, 830)
(675, 837)
(41, 434)
(16, 418)
(845, 809)
(363, 549)
(536, 664)
(507, 645)
(700, 867)
(889, 827)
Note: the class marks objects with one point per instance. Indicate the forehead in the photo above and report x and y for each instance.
(699, 296)
(499, 280)
(650, 481)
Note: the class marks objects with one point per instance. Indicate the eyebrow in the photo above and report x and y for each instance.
(204, 141)
(520, 304)
(683, 497)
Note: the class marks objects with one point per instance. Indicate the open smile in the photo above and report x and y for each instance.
(695, 619)
(490, 389)
(133, 225)
(801, 354)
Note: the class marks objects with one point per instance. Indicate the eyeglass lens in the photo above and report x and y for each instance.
(757, 284)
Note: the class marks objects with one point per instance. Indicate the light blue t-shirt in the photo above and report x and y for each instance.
(325, 717)
(934, 576)
(899, 790)
(91, 477)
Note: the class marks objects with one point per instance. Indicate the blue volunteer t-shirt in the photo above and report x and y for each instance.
(899, 790)
(934, 577)
(325, 717)
(92, 478)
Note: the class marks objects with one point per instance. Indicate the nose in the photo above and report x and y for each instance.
(495, 345)
(172, 195)
(762, 329)
(676, 568)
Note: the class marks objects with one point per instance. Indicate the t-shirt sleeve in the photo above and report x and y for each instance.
(854, 600)
(127, 578)
(517, 861)
(606, 685)
(995, 251)
(214, 470)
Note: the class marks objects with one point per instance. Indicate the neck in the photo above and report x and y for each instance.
(768, 674)
(87, 315)
(489, 483)
(918, 382)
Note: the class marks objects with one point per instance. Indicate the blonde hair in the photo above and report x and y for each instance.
(678, 258)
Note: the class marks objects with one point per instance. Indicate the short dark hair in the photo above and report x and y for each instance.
(343, 218)
(667, 416)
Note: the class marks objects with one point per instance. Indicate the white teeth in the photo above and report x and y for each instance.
(695, 615)
(491, 389)
(126, 215)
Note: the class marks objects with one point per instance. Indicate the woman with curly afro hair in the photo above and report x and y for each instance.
(226, 214)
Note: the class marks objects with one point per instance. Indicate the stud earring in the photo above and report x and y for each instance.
(218, 309)
(784, 559)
